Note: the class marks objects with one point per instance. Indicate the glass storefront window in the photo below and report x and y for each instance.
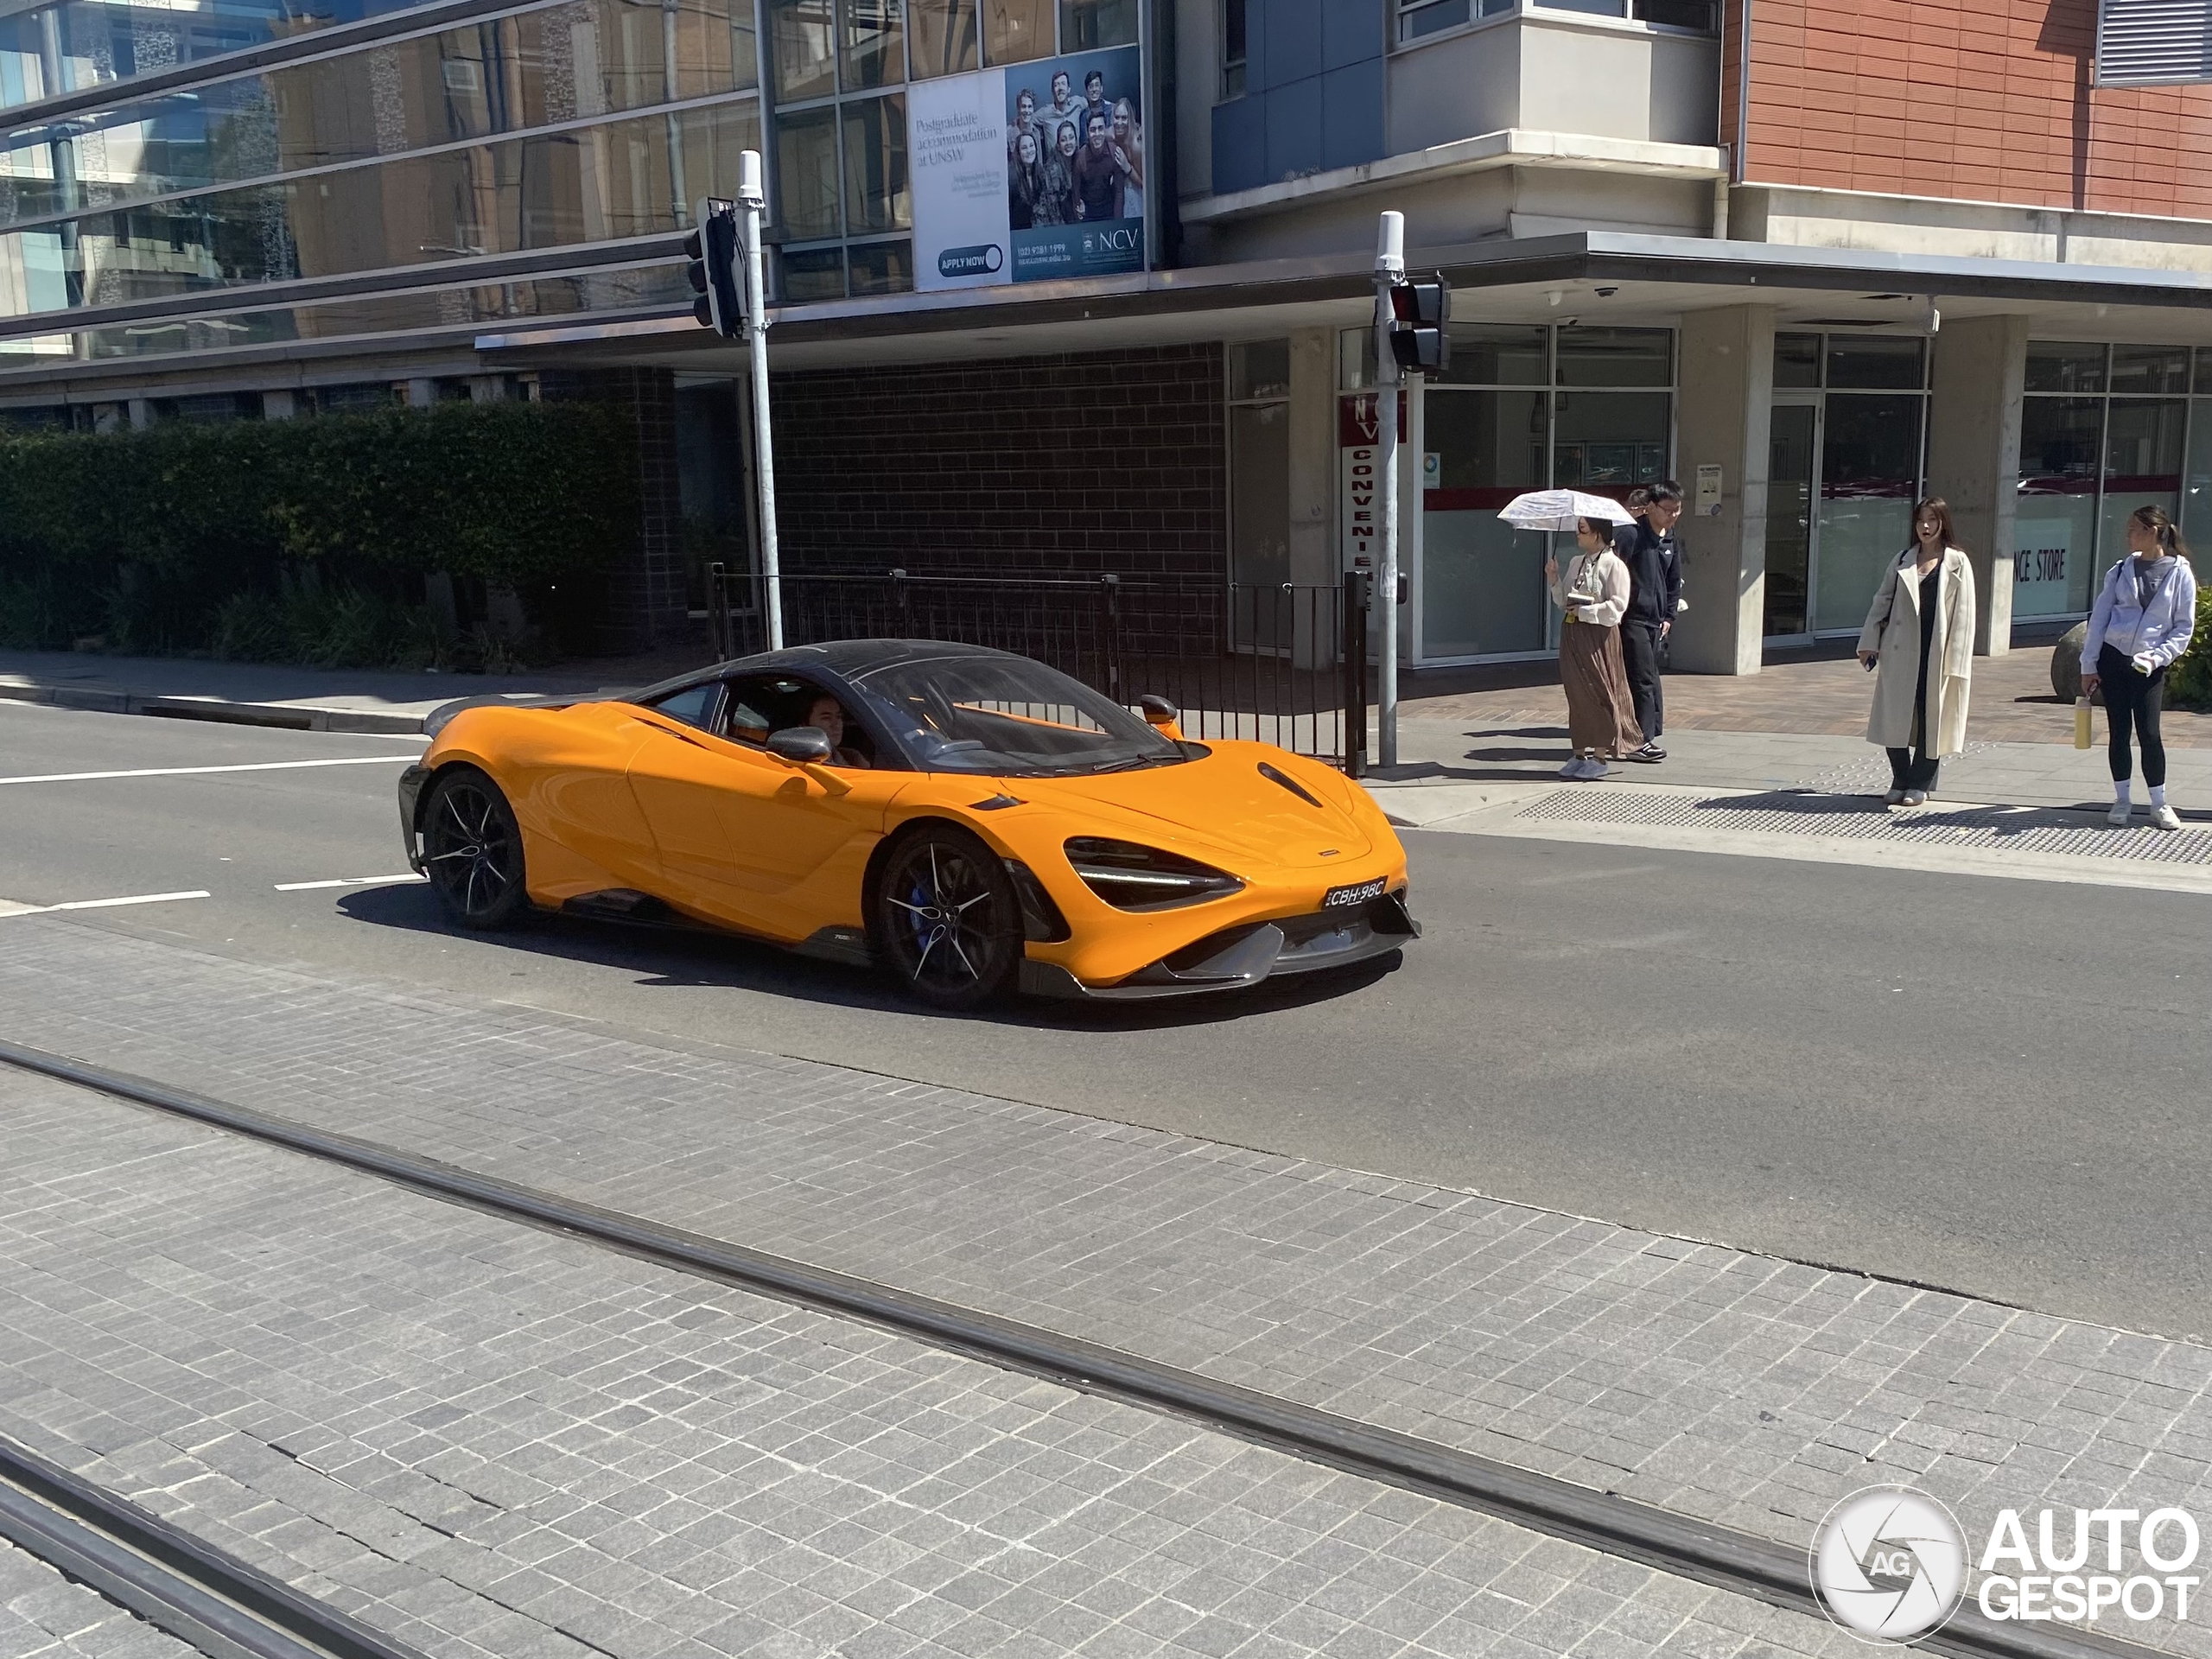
(1869, 474)
(1495, 354)
(2062, 442)
(601, 184)
(1016, 31)
(2204, 369)
(2196, 477)
(2143, 461)
(2150, 368)
(1086, 25)
(2063, 365)
(874, 43)
(944, 37)
(802, 36)
(1863, 362)
(1616, 357)
(1259, 368)
(813, 273)
(880, 267)
(1482, 582)
(1608, 441)
(1796, 361)
(877, 197)
(507, 74)
(806, 173)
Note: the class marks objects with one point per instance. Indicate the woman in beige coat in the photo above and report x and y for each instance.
(1919, 641)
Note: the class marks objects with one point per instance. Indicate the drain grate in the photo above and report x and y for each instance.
(1997, 829)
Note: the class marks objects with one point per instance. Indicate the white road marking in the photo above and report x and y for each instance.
(185, 771)
(347, 881)
(12, 908)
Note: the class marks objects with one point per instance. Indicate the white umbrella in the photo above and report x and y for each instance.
(1559, 509)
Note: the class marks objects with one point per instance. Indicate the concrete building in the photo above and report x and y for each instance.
(1081, 285)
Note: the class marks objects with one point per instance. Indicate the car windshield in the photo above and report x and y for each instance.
(1008, 715)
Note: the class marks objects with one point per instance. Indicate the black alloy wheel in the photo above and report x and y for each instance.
(947, 921)
(473, 849)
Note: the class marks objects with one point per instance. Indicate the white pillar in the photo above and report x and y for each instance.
(421, 392)
(142, 414)
(279, 405)
(1726, 420)
(1973, 456)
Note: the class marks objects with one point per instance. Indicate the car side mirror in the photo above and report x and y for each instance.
(1158, 711)
(801, 746)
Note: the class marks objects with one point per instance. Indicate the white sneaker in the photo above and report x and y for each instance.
(1915, 797)
(1593, 769)
(2164, 817)
(1573, 769)
(2118, 816)
(1895, 797)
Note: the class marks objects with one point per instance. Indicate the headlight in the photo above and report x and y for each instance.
(1131, 877)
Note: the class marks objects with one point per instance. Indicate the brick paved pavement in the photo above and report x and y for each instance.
(498, 1442)
(1731, 1387)
(45, 1616)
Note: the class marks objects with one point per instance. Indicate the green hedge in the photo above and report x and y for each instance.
(146, 537)
(2188, 682)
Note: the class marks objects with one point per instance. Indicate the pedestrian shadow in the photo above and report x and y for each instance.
(2004, 822)
(684, 957)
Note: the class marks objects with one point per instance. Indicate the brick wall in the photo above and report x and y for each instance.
(1976, 99)
(1099, 461)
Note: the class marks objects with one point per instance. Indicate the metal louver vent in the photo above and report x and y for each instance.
(2142, 42)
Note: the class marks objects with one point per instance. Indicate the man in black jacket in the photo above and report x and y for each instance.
(1654, 590)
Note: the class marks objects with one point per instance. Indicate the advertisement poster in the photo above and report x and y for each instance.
(2039, 568)
(957, 157)
(1029, 173)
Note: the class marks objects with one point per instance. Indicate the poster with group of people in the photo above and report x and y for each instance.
(1030, 173)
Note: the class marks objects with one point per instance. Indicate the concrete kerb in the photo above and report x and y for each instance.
(289, 716)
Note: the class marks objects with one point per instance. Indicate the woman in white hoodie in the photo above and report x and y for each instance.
(2143, 616)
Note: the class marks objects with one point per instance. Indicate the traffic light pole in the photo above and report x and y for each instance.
(1389, 270)
(753, 197)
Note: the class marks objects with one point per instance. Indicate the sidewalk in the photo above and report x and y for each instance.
(1724, 1386)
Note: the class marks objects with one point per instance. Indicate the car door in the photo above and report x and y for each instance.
(752, 839)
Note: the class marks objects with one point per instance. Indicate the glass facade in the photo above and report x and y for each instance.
(2106, 429)
(1523, 408)
(142, 223)
(1845, 466)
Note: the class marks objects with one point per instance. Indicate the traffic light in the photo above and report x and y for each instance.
(712, 248)
(1419, 310)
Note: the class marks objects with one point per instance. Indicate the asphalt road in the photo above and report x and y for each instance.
(1995, 1086)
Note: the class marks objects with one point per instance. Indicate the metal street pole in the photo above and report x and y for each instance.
(754, 198)
(1389, 267)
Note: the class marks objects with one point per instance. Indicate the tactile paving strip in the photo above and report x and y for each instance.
(1789, 812)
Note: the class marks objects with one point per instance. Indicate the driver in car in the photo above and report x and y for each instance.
(828, 714)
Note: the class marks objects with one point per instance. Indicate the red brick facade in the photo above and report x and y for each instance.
(1985, 100)
(1104, 461)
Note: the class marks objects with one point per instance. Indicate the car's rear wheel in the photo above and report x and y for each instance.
(472, 848)
(947, 921)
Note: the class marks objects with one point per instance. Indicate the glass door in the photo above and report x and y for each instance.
(1791, 481)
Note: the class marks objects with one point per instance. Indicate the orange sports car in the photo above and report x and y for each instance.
(969, 820)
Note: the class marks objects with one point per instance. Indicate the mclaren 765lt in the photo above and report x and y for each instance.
(970, 821)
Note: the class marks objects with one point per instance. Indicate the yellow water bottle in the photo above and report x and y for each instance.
(2082, 721)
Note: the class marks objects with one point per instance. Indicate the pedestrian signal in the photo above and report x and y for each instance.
(1420, 309)
(712, 248)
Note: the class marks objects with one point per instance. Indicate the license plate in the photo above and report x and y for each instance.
(1358, 893)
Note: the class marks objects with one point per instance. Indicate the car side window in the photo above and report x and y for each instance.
(760, 705)
(694, 705)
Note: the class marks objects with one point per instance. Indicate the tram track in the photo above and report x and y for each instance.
(1723, 1558)
(205, 1596)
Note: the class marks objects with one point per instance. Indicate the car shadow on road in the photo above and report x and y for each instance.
(694, 958)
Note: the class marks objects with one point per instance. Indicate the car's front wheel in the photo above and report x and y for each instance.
(947, 921)
(472, 847)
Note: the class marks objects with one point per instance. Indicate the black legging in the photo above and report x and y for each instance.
(2131, 698)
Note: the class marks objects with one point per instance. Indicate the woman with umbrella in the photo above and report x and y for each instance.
(1592, 595)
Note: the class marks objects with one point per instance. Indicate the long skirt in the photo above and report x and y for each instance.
(1600, 714)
